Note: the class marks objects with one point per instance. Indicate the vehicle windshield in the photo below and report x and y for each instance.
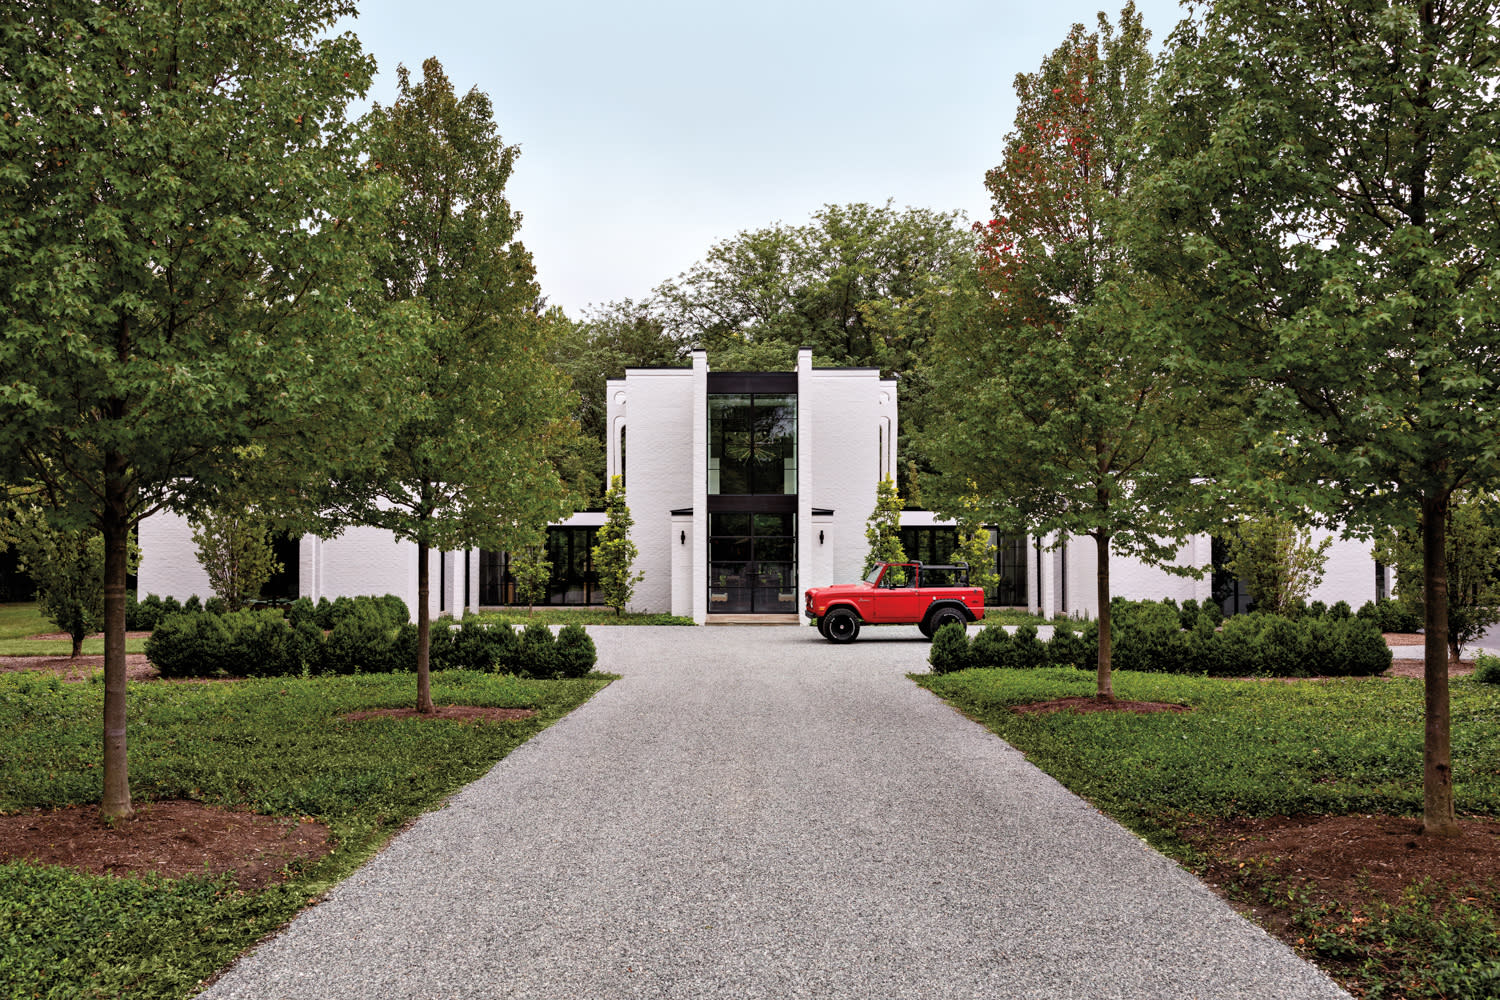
(874, 575)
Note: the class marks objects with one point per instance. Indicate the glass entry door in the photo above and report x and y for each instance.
(752, 563)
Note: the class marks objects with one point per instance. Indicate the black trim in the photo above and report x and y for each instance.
(821, 512)
(683, 512)
(722, 383)
(753, 503)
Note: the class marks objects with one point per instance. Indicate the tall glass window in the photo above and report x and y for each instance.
(752, 444)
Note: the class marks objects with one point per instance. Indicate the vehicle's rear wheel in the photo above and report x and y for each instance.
(923, 627)
(945, 616)
(841, 625)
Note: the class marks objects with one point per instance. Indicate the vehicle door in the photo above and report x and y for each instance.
(897, 597)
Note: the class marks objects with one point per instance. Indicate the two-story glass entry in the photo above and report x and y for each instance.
(752, 493)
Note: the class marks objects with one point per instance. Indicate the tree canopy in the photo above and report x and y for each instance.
(1058, 401)
(1323, 194)
(469, 463)
(185, 225)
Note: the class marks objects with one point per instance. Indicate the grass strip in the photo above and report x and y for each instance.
(277, 745)
(573, 616)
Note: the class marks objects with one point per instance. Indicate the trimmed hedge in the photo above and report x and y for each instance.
(369, 635)
(1151, 636)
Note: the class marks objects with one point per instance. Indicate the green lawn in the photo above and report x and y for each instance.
(18, 622)
(275, 745)
(1250, 748)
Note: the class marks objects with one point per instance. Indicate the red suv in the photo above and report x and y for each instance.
(928, 597)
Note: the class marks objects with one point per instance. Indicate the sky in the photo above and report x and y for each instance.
(650, 131)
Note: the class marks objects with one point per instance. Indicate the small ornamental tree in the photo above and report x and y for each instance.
(883, 529)
(614, 552)
(1277, 560)
(1473, 558)
(68, 570)
(532, 571)
(234, 548)
(974, 544)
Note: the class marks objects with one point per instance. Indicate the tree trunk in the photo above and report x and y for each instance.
(424, 633)
(1106, 683)
(1437, 762)
(115, 803)
(77, 638)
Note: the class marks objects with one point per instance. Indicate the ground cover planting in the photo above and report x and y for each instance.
(1291, 798)
(301, 756)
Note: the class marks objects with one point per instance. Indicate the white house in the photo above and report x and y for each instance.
(745, 489)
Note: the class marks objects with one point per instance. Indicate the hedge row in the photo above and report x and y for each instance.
(143, 615)
(370, 635)
(1149, 636)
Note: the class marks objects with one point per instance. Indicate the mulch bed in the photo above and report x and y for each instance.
(1355, 860)
(173, 839)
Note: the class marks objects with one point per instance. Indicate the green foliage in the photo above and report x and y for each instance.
(364, 640)
(234, 548)
(575, 652)
(950, 650)
(614, 552)
(1390, 616)
(68, 569)
(1277, 561)
(278, 746)
(1246, 749)
(1487, 668)
(976, 547)
(1060, 401)
(883, 527)
(1067, 649)
(1472, 554)
(538, 651)
(191, 646)
(1312, 200)
(1254, 749)
(533, 570)
(989, 649)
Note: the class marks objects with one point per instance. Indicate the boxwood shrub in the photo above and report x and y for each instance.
(1149, 636)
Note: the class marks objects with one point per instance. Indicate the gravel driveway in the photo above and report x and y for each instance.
(755, 812)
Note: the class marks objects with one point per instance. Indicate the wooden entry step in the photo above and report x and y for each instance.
(754, 619)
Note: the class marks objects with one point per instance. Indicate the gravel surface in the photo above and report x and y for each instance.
(755, 812)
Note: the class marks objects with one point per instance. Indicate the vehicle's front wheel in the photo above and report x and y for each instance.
(823, 626)
(841, 625)
(945, 616)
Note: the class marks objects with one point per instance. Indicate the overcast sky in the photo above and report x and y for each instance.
(651, 130)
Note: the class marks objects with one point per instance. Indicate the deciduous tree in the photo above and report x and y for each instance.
(234, 548)
(67, 567)
(1058, 397)
(1326, 200)
(1277, 560)
(185, 220)
(469, 464)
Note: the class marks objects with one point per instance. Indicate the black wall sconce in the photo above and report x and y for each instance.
(682, 537)
(820, 538)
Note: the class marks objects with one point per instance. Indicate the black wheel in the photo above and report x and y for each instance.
(841, 625)
(823, 626)
(945, 616)
(925, 629)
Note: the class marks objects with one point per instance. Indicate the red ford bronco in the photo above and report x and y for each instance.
(928, 597)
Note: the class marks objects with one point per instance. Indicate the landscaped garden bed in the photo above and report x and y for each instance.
(1296, 800)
